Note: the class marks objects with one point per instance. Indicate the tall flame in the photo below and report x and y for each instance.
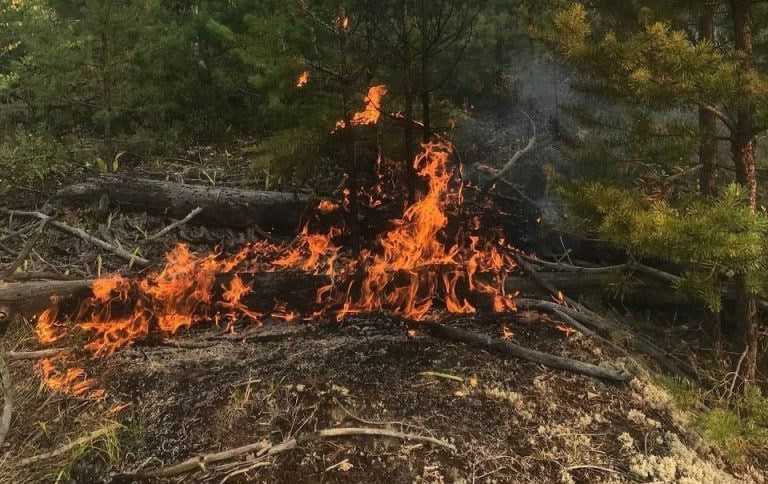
(406, 272)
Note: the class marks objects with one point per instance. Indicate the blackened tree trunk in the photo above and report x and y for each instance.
(743, 149)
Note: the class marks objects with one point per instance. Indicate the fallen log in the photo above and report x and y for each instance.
(483, 341)
(221, 206)
(31, 297)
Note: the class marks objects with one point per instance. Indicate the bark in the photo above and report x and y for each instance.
(426, 109)
(407, 49)
(743, 149)
(296, 288)
(707, 120)
(222, 206)
(511, 349)
(410, 171)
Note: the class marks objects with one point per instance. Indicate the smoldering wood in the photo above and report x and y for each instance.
(221, 206)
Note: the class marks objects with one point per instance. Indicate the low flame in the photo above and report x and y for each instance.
(57, 375)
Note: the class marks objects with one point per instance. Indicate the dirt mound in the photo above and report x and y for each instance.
(509, 420)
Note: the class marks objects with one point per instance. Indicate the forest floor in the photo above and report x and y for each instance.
(509, 420)
(495, 420)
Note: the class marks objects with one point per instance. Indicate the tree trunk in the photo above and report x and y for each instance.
(743, 149)
(426, 108)
(222, 206)
(707, 121)
(410, 171)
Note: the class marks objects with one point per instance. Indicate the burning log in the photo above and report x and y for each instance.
(220, 206)
(29, 298)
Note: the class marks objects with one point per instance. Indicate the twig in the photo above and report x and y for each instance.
(194, 213)
(442, 375)
(28, 246)
(515, 158)
(597, 468)
(5, 422)
(66, 448)
(736, 373)
(34, 355)
(78, 232)
(264, 450)
(244, 470)
(486, 342)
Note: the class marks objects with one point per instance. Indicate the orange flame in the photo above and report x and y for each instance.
(46, 328)
(327, 206)
(372, 112)
(70, 381)
(303, 79)
(410, 268)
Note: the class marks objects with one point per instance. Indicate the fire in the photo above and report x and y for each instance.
(327, 206)
(70, 381)
(46, 328)
(303, 79)
(414, 262)
(414, 270)
(372, 112)
(342, 22)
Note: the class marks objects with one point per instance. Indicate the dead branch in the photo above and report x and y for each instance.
(34, 355)
(514, 159)
(450, 333)
(66, 448)
(562, 312)
(5, 421)
(194, 213)
(263, 450)
(78, 232)
(28, 246)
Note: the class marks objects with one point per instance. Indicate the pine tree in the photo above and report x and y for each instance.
(648, 56)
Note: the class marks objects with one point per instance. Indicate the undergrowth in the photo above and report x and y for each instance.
(738, 426)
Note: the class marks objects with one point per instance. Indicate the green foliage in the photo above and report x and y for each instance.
(736, 426)
(740, 428)
(28, 159)
(717, 238)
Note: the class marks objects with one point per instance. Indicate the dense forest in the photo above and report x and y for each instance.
(383, 241)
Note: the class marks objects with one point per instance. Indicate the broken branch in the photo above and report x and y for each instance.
(194, 213)
(5, 421)
(264, 450)
(66, 448)
(458, 335)
(78, 232)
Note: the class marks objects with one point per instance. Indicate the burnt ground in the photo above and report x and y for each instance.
(510, 420)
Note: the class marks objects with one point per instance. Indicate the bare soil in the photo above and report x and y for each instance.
(511, 421)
